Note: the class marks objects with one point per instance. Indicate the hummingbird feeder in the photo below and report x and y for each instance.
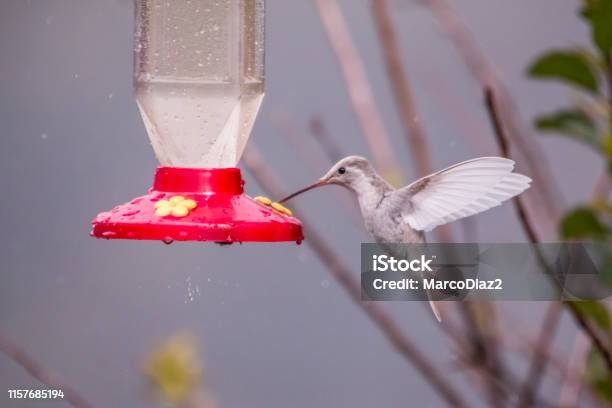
(199, 83)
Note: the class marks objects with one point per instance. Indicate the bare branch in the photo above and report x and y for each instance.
(504, 147)
(573, 372)
(506, 384)
(609, 82)
(553, 314)
(590, 332)
(539, 360)
(524, 342)
(474, 131)
(42, 373)
(578, 317)
(331, 149)
(268, 180)
(483, 350)
(547, 196)
(404, 101)
(603, 187)
(358, 87)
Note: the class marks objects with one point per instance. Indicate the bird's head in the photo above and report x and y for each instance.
(347, 173)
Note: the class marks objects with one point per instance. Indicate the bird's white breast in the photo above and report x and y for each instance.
(387, 226)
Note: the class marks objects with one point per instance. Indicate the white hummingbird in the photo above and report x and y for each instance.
(403, 215)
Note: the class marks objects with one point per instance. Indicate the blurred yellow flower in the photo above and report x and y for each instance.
(173, 369)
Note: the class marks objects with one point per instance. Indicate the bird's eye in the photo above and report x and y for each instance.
(341, 170)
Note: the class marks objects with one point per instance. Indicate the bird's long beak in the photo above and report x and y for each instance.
(319, 183)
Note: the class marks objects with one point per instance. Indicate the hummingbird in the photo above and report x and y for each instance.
(403, 215)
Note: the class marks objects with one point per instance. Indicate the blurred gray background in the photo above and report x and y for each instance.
(275, 329)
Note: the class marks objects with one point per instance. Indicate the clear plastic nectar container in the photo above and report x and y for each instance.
(199, 77)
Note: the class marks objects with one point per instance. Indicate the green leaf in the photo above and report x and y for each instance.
(596, 312)
(573, 123)
(599, 15)
(568, 66)
(582, 223)
(598, 376)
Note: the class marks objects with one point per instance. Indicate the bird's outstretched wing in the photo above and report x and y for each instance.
(458, 191)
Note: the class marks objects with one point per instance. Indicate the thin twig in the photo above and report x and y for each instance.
(460, 116)
(573, 372)
(509, 385)
(484, 353)
(539, 361)
(331, 149)
(42, 373)
(400, 86)
(528, 227)
(553, 314)
(609, 81)
(268, 180)
(524, 342)
(584, 325)
(358, 87)
(603, 186)
(504, 147)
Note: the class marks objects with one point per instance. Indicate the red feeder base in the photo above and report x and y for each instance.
(216, 210)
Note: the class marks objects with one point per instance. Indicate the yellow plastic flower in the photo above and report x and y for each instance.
(277, 206)
(177, 206)
(263, 200)
(281, 208)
